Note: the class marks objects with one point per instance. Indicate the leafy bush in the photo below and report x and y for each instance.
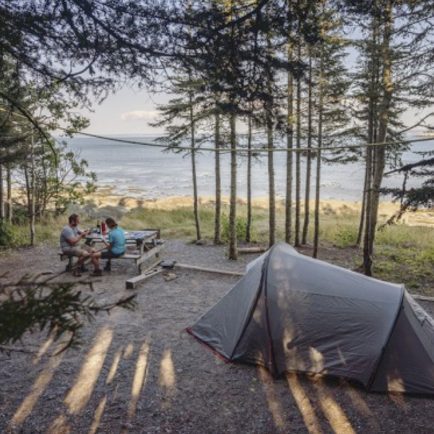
(427, 256)
(345, 236)
(11, 236)
(240, 228)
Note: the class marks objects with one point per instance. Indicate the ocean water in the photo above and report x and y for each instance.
(149, 173)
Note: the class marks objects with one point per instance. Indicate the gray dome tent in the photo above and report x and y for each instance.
(292, 313)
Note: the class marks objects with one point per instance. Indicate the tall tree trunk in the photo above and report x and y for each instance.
(29, 176)
(233, 250)
(271, 186)
(298, 153)
(318, 159)
(32, 202)
(372, 133)
(367, 260)
(2, 197)
(289, 154)
(270, 145)
(362, 208)
(379, 152)
(249, 180)
(193, 171)
(218, 187)
(9, 193)
(309, 157)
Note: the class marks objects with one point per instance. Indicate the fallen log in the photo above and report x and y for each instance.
(150, 272)
(422, 297)
(208, 270)
(257, 249)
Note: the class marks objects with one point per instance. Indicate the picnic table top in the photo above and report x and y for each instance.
(129, 235)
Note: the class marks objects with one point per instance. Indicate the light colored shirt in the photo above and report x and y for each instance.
(117, 240)
(68, 233)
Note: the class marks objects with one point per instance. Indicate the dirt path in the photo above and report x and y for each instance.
(139, 372)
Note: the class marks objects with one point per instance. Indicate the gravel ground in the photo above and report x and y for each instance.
(139, 372)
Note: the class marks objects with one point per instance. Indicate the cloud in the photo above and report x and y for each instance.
(139, 115)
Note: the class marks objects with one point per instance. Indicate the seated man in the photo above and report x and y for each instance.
(116, 243)
(70, 238)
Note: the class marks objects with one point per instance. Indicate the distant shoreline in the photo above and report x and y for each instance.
(107, 196)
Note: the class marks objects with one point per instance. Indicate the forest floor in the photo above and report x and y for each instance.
(140, 372)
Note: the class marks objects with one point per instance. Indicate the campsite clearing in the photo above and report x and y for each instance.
(139, 372)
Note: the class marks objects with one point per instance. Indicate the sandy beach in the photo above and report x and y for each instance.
(106, 196)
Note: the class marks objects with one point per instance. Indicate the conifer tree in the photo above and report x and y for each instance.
(399, 59)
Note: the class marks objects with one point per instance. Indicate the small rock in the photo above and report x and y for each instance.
(169, 276)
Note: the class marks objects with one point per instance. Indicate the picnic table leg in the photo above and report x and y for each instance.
(69, 265)
(153, 255)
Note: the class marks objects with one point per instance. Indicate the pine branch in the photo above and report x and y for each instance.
(30, 305)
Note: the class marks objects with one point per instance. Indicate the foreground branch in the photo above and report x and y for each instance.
(57, 308)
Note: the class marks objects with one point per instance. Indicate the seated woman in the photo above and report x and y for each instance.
(116, 243)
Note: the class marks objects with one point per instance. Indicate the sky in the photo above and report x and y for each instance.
(129, 111)
(126, 112)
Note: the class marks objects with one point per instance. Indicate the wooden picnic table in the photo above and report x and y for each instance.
(147, 244)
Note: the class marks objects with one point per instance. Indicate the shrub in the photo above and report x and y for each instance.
(427, 256)
(345, 236)
(240, 228)
(11, 236)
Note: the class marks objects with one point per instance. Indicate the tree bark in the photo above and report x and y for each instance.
(233, 253)
(271, 186)
(9, 193)
(218, 188)
(249, 181)
(318, 160)
(29, 177)
(2, 197)
(289, 154)
(193, 171)
(298, 154)
(308, 158)
(362, 208)
(379, 153)
(365, 219)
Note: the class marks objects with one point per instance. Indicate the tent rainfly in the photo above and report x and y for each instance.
(292, 313)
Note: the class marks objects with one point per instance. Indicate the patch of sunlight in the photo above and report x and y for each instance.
(139, 380)
(332, 410)
(128, 351)
(396, 384)
(97, 416)
(288, 336)
(37, 389)
(317, 360)
(79, 394)
(44, 348)
(59, 426)
(303, 404)
(360, 404)
(114, 367)
(167, 371)
(274, 405)
(291, 353)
